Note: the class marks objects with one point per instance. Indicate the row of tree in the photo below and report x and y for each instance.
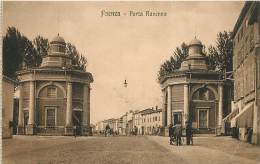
(19, 51)
(219, 56)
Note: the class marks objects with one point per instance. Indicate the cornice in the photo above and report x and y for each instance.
(186, 73)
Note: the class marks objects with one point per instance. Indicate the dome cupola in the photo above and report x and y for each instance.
(57, 46)
(195, 47)
(58, 39)
(195, 60)
(57, 54)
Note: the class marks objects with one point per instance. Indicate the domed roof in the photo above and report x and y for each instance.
(58, 39)
(195, 41)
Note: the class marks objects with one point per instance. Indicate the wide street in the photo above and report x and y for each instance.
(126, 150)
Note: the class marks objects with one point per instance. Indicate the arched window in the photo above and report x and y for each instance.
(203, 94)
(50, 90)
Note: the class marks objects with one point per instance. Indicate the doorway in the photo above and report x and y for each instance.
(203, 118)
(77, 121)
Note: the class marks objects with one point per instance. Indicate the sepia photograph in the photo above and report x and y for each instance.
(130, 82)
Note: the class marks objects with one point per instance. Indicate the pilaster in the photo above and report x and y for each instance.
(86, 110)
(169, 106)
(31, 121)
(20, 128)
(186, 104)
(220, 105)
(68, 126)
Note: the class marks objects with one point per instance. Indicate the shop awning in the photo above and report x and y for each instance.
(244, 118)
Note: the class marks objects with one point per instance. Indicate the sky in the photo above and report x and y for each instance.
(123, 47)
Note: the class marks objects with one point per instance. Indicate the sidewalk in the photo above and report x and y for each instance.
(213, 150)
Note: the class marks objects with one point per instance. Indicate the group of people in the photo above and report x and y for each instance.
(175, 134)
(134, 131)
(110, 131)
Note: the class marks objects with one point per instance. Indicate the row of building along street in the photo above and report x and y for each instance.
(146, 122)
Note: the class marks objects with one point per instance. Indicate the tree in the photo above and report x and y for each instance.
(83, 63)
(15, 45)
(30, 54)
(19, 51)
(41, 46)
(220, 56)
(174, 63)
(78, 60)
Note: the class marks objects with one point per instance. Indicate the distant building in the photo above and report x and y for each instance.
(55, 96)
(129, 122)
(137, 120)
(245, 113)
(99, 127)
(92, 128)
(148, 121)
(195, 94)
(120, 125)
(124, 124)
(8, 86)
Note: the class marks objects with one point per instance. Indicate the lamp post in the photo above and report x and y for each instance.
(189, 92)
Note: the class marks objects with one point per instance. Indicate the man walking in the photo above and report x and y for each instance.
(107, 130)
(135, 131)
(188, 133)
(178, 132)
(75, 131)
(171, 133)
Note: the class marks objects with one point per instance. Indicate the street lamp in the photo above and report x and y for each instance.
(125, 84)
(189, 88)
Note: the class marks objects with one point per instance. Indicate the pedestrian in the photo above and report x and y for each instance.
(171, 133)
(249, 132)
(174, 133)
(107, 130)
(188, 133)
(178, 132)
(135, 131)
(75, 131)
(191, 137)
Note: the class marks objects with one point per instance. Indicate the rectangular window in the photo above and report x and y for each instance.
(52, 92)
(203, 118)
(50, 117)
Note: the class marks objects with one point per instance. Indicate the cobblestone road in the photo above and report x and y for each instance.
(125, 150)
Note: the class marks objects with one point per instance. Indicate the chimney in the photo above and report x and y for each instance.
(156, 107)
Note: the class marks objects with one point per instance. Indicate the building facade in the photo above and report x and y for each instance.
(245, 113)
(99, 126)
(148, 121)
(8, 86)
(124, 124)
(54, 97)
(137, 121)
(112, 123)
(195, 94)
